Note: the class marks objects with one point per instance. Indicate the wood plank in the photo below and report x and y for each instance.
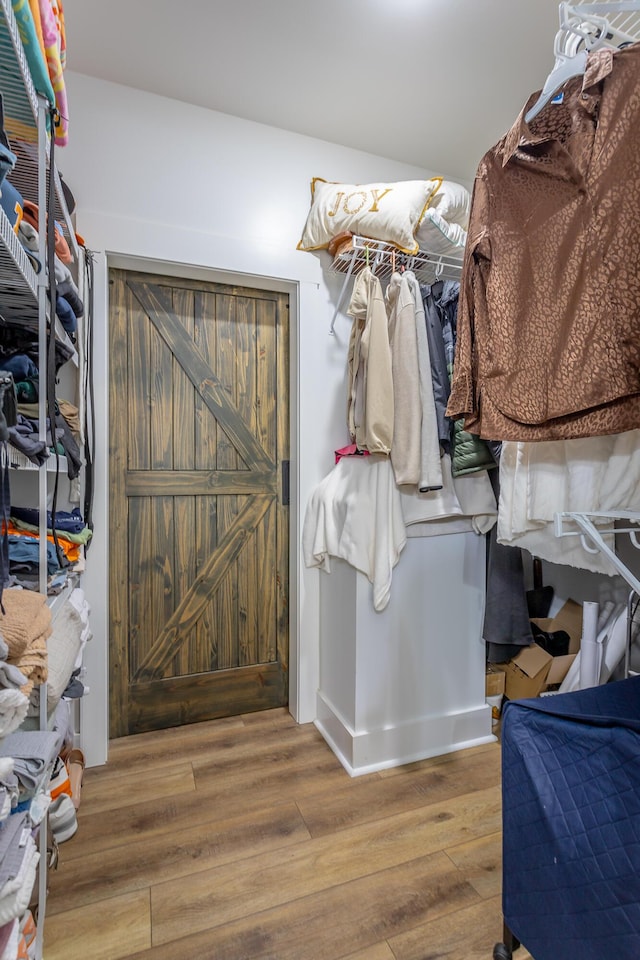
(226, 605)
(205, 652)
(379, 951)
(367, 799)
(247, 566)
(157, 305)
(140, 585)
(184, 564)
(206, 583)
(467, 934)
(230, 892)
(198, 482)
(480, 863)
(184, 459)
(183, 400)
(205, 342)
(267, 377)
(179, 700)
(159, 412)
(118, 522)
(117, 791)
(158, 566)
(176, 855)
(131, 376)
(267, 586)
(389, 902)
(206, 740)
(107, 930)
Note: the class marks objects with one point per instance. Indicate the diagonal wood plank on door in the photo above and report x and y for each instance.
(193, 603)
(158, 308)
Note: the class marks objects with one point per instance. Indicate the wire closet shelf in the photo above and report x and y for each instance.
(384, 259)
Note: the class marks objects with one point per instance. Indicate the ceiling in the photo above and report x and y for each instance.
(430, 82)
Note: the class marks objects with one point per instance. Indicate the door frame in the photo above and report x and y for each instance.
(302, 675)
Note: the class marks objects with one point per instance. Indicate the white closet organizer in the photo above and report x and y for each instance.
(24, 296)
(384, 259)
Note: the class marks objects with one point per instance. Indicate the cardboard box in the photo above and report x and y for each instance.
(526, 674)
(559, 670)
(568, 618)
(494, 682)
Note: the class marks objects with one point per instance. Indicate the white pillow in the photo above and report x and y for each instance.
(453, 202)
(438, 236)
(391, 212)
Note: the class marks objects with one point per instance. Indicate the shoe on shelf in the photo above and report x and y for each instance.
(62, 818)
(59, 780)
(75, 765)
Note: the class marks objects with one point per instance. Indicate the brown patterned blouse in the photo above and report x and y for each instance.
(548, 339)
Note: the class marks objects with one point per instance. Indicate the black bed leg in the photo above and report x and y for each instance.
(512, 943)
(504, 950)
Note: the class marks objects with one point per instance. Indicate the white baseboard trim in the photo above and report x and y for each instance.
(430, 736)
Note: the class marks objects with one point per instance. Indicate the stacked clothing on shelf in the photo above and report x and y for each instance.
(71, 533)
(18, 862)
(26, 761)
(25, 627)
(70, 633)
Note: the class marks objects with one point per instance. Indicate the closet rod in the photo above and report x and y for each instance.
(382, 257)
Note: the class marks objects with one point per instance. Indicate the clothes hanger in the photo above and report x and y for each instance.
(582, 29)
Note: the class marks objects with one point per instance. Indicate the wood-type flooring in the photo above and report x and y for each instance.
(245, 839)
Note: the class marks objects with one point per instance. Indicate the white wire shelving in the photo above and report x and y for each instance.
(384, 259)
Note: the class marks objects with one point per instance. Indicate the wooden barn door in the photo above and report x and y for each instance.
(199, 428)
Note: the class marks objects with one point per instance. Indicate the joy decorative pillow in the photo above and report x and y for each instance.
(391, 212)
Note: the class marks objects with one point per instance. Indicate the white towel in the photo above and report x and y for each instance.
(13, 710)
(355, 514)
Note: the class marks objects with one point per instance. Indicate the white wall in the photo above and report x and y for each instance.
(164, 181)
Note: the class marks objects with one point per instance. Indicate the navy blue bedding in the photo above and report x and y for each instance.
(571, 823)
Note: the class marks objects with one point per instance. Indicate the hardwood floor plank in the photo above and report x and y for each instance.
(270, 747)
(444, 758)
(173, 856)
(467, 934)
(369, 799)
(261, 883)
(124, 790)
(252, 788)
(162, 746)
(480, 862)
(327, 925)
(381, 951)
(109, 930)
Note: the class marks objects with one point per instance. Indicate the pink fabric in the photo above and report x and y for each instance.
(350, 451)
(50, 19)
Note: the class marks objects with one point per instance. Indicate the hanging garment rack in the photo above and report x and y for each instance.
(592, 536)
(384, 259)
